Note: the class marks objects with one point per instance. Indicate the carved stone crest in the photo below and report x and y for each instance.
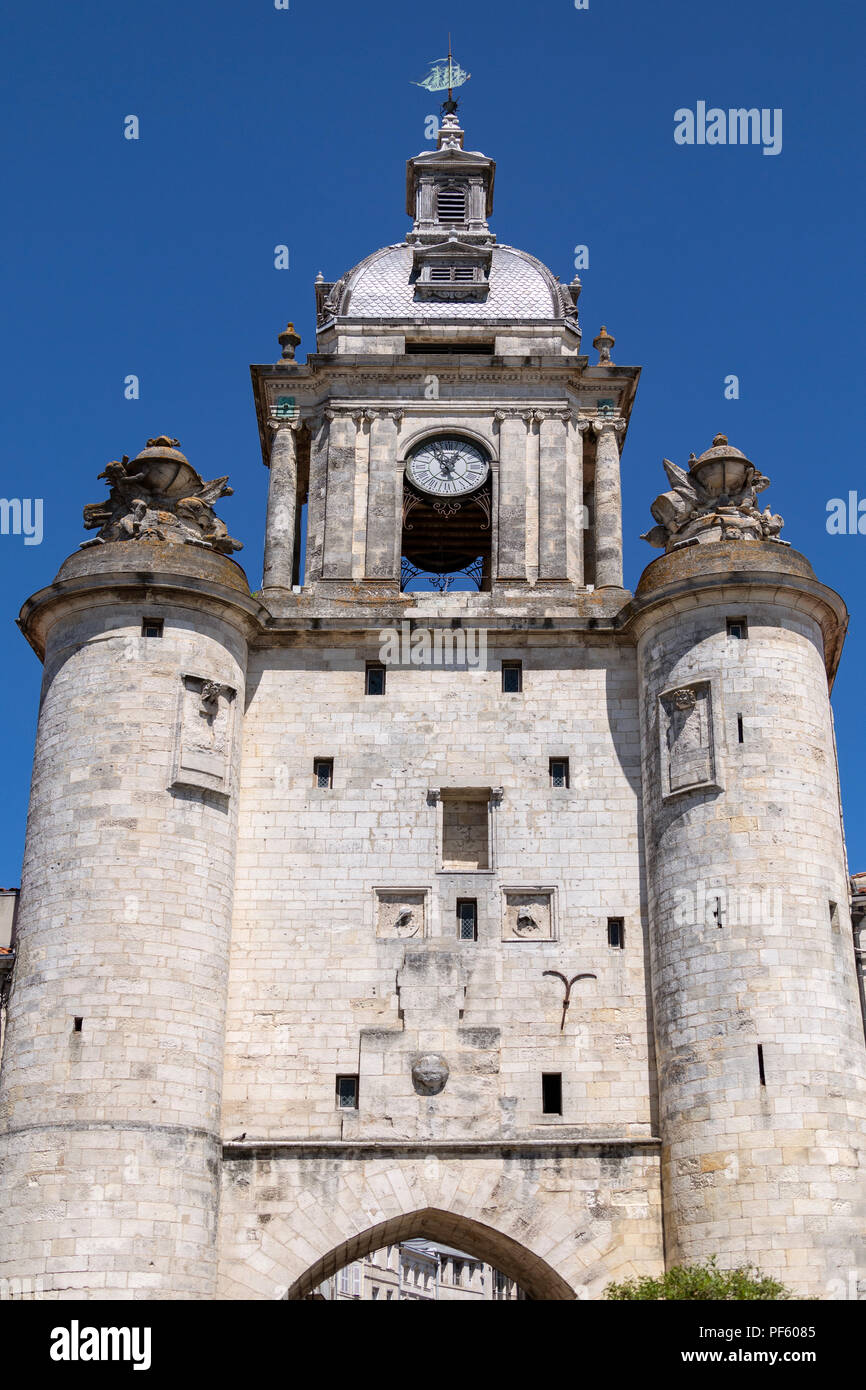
(528, 914)
(687, 738)
(400, 913)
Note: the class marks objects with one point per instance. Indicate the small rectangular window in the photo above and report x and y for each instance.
(737, 628)
(616, 933)
(761, 1073)
(467, 919)
(151, 627)
(323, 772)
(740, 738)
(512, 677)
(375, 678)
(347, 1093)
(551, 1093)
(77, 1025)
(834, 916)
(559, 772)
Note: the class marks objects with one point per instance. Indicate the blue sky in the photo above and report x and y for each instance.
(261, 126)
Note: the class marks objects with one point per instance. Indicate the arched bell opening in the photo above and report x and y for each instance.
(446, 542)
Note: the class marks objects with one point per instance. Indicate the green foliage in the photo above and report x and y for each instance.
(702, 1281)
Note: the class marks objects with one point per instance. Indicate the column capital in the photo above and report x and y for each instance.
(385, 412)
(275, 423)
(583, 425)
(614, 423)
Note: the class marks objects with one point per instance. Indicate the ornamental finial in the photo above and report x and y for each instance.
(603, 344)
(288, 341)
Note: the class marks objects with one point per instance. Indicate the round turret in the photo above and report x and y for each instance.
(112, 1072)
(759, 1038)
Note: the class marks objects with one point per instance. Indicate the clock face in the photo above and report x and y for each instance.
(446, 466)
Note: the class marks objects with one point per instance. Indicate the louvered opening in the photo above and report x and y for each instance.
(452, 205)
(452, 274)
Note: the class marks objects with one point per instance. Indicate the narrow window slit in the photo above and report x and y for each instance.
(551, 1092)
(615, 933)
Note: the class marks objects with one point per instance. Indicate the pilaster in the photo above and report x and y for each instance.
(384, 498)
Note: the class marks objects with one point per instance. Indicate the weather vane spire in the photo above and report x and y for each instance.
(445, 75)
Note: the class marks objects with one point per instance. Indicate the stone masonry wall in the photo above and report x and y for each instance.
(108, 1148)
(747, 950)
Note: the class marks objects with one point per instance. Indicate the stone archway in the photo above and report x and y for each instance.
(562, 1219)
(535, 1276)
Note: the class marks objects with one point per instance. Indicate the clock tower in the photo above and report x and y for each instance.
(448, 432)
(441, 887)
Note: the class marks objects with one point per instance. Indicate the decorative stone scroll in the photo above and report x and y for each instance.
(688, 745)
(203, 736)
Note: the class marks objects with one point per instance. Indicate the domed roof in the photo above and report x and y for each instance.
(521, 287)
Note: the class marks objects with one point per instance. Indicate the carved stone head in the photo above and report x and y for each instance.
(429, 1074)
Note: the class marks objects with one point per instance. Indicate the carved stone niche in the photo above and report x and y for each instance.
(688, 738)
(401, 913)
(203, 734)
(528, 914)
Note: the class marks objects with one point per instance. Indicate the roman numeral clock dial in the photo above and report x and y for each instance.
(447, 467)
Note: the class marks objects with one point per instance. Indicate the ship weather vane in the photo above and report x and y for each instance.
(568, 983)
(445, 75)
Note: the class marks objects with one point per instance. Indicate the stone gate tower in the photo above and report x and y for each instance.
(441, 887)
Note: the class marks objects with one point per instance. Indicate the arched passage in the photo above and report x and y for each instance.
(562, 1220)
(536, 1278)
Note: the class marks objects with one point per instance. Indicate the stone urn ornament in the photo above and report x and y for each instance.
(715, 500)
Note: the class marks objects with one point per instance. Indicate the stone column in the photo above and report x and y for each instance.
(384, 498)
(339, 498)
(511, 561)
(577, 518)
(552, 499)
(282, 506)
(320, 428)
(608, 505)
